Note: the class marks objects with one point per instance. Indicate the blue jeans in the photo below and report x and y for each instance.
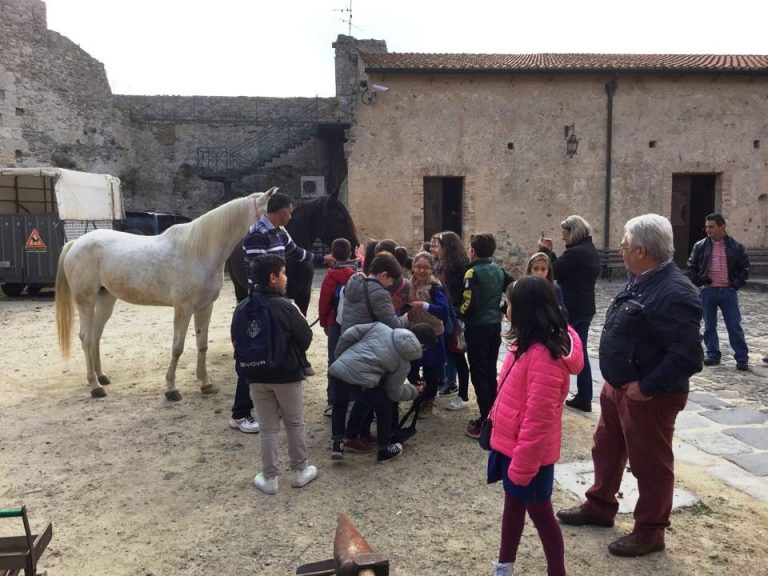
(727, 299)
(584, 379)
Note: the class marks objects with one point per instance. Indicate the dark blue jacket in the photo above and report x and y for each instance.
(735, 254)
(651, 334)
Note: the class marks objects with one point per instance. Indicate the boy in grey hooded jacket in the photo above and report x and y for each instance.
(376, 359)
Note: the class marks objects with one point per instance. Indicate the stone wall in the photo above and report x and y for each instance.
(166, 132)
(505, 136)
(55, 100)
(57, 109)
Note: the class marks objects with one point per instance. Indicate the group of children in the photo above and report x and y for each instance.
(393, 338)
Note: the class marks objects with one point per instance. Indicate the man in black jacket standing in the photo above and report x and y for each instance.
(720, 267)
(649, 348)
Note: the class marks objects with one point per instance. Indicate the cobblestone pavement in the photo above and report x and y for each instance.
(724, 381)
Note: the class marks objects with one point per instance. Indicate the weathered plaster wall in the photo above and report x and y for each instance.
(463, 125)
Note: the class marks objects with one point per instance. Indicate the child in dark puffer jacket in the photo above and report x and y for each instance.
(336, 277)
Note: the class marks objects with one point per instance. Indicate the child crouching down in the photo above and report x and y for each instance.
(280, 396)
(527, 418)
(374, 360)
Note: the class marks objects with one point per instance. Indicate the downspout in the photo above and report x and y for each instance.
(610, 90)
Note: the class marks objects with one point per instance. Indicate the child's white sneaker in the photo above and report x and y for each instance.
(303, 477)
(456, 403)
(503, 569)
(266, 485)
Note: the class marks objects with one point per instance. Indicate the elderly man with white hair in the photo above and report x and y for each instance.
(650, 347)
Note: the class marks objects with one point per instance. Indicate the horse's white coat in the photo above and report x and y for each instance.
(182, 268)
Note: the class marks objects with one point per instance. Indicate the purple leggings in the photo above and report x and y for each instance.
(543, 517)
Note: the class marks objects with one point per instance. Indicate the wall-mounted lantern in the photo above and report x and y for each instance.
(571, 142)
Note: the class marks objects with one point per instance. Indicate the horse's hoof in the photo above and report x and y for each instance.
(104, 380)
(173, 395)
(210, 389)
(98, 392)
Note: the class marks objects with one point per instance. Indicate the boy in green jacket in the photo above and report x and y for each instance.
(484, 283)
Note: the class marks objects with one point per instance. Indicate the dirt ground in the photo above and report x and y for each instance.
(137, 485)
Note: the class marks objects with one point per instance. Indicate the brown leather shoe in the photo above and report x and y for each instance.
(578, 516)
(632, 545)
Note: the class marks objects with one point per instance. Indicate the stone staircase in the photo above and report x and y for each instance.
(276, 138)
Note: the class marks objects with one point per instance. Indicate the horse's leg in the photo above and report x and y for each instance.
(202, 321)
(85, 308)
(105, 304)
(181, 317)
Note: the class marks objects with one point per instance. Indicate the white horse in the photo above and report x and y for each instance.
(182, 267)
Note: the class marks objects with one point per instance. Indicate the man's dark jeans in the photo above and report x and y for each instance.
(483, 343)
(727, 299)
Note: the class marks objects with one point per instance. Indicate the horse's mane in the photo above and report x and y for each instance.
(195, 238)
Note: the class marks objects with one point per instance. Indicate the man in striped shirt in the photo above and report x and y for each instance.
(719, 265)
(268, 236)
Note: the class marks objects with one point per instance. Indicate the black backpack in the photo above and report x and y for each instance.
(260, 342)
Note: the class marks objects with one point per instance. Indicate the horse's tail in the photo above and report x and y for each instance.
(64, 306)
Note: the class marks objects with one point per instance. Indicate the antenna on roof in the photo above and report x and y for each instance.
(348, 19)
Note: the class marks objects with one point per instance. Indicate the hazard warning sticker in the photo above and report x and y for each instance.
(35, 242)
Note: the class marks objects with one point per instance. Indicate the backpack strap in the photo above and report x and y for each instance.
(368, 301)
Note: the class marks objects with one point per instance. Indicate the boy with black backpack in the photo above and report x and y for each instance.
(335, 279)
(270, 335)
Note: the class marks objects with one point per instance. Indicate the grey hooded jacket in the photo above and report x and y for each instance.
(356, 310)
(368, 353)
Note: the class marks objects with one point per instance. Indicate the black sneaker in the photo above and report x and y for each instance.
(742, 366)
(709, 361)
(337, 449)
(389, 452)
(579, 404)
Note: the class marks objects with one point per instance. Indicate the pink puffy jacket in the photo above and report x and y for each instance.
(528, 410)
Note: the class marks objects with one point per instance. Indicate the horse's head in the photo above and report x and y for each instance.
(337, 221)
(260, 200)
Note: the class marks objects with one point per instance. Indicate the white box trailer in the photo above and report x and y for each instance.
(43, 208)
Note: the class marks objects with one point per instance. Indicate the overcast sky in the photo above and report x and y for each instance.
(283, 47)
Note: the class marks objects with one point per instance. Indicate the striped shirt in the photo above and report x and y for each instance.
(263, 238)
(718, 265)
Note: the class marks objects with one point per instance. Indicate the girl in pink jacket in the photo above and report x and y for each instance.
(527, 428)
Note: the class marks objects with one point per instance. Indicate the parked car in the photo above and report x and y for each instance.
(150, 223)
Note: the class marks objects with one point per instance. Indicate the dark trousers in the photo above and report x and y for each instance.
(727, 299)
(373, 401)
(483, 351)
(430, 375)
(243, 404)
(342, 393)
(584, 379)
(641, 432)
(458, 370)
(334, 333)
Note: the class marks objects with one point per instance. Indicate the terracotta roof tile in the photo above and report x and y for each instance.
(489, 63)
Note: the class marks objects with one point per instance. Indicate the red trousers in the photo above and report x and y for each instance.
(641, 432)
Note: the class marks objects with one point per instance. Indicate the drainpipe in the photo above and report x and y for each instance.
(610, 90)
